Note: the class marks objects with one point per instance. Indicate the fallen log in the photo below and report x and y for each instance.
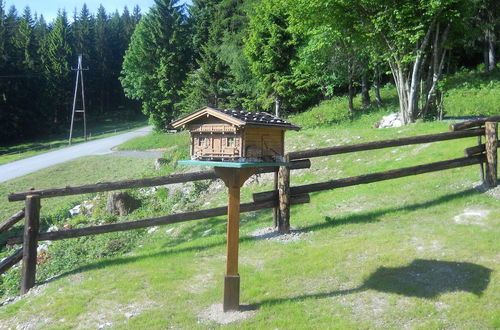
(384, 144)
(159, 221)
(472, 123)
(139, 183)
(10, 261)
(11, 221)
(374, 177)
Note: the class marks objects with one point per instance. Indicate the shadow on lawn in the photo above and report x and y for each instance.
(359, 218)
(421, 278)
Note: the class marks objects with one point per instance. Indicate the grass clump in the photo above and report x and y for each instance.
(157, 140)
(471, 93)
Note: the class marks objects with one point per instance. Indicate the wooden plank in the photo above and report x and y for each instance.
(138, 183)
(473, 123)
(276, 209)
(284, 199)
(159, 221)
(385, 144)
(30, 242)
(491, 153)
(374, 177)
(11, 221)
(10, 261)
(471, 151)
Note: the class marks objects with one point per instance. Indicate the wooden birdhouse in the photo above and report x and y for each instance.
(233, 135)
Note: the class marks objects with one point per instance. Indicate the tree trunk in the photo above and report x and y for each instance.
(350, 88)
(365, 95)
(277, 105)
(490, 55)
(438, 56)
(408, 87)
(376, 85)
(351, 97)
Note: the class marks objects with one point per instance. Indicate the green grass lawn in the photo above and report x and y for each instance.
(415, 252)
(95, 130)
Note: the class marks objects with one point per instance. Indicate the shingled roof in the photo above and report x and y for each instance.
(238, 118)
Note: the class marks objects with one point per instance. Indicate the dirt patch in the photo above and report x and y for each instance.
(200, 283)
(472, 217)
(214, 313)
(271, 234)
(493, 192)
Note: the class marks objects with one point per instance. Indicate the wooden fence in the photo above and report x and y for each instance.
(279, 199)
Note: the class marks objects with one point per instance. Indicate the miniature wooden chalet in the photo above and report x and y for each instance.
(221, 134)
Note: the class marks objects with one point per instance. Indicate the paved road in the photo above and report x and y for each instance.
(97, 147)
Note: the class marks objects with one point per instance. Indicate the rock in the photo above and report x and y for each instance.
(121, 203)
(67, 226)
(152, 229)
(85, 208)
(159, 162)
(392, 120)
(53, 228)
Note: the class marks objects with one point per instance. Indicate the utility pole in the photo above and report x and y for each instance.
(79, 78)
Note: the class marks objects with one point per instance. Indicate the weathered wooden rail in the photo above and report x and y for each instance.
(31, 214)
(279, 199)
(474, 155)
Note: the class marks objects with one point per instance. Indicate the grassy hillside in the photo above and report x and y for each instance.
(415, 252)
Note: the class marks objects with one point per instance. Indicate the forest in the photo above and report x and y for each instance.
(280, 56)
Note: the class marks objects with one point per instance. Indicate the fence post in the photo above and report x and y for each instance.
(284, 198)
(491, 132)
(276, 210)
(30, 243)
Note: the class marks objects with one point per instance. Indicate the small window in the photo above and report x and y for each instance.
(201, 142)
(230, 141)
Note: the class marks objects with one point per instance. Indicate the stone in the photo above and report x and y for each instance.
(391, 120)
(121, 203)
(159, 162)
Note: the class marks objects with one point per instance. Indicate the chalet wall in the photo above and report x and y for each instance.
(208, 145)
(262, 142)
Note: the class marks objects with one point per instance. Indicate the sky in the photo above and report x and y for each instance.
(49, 7)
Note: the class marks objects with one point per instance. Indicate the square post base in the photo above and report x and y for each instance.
(231, 293)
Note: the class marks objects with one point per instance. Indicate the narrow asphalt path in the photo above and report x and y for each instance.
(97, 147)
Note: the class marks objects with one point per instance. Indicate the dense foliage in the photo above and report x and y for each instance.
(36, 81)
(272, 55)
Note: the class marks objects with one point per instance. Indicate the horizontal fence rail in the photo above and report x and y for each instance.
(140, 183)
(4, 226)
(374, 177)
(164, 220)
(385, 144)
(11, 260)
(473, 123)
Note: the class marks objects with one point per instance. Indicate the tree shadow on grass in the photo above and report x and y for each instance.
(171, 249)
(421, 278)
(373, 216)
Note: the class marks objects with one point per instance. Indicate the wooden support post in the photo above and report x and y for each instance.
(276, 210)
(234, 179)
(284, 198)
(491, 131)
(481, 165)
(30, 243)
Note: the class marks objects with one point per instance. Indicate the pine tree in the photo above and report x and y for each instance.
(156, 62)
(55, 53)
